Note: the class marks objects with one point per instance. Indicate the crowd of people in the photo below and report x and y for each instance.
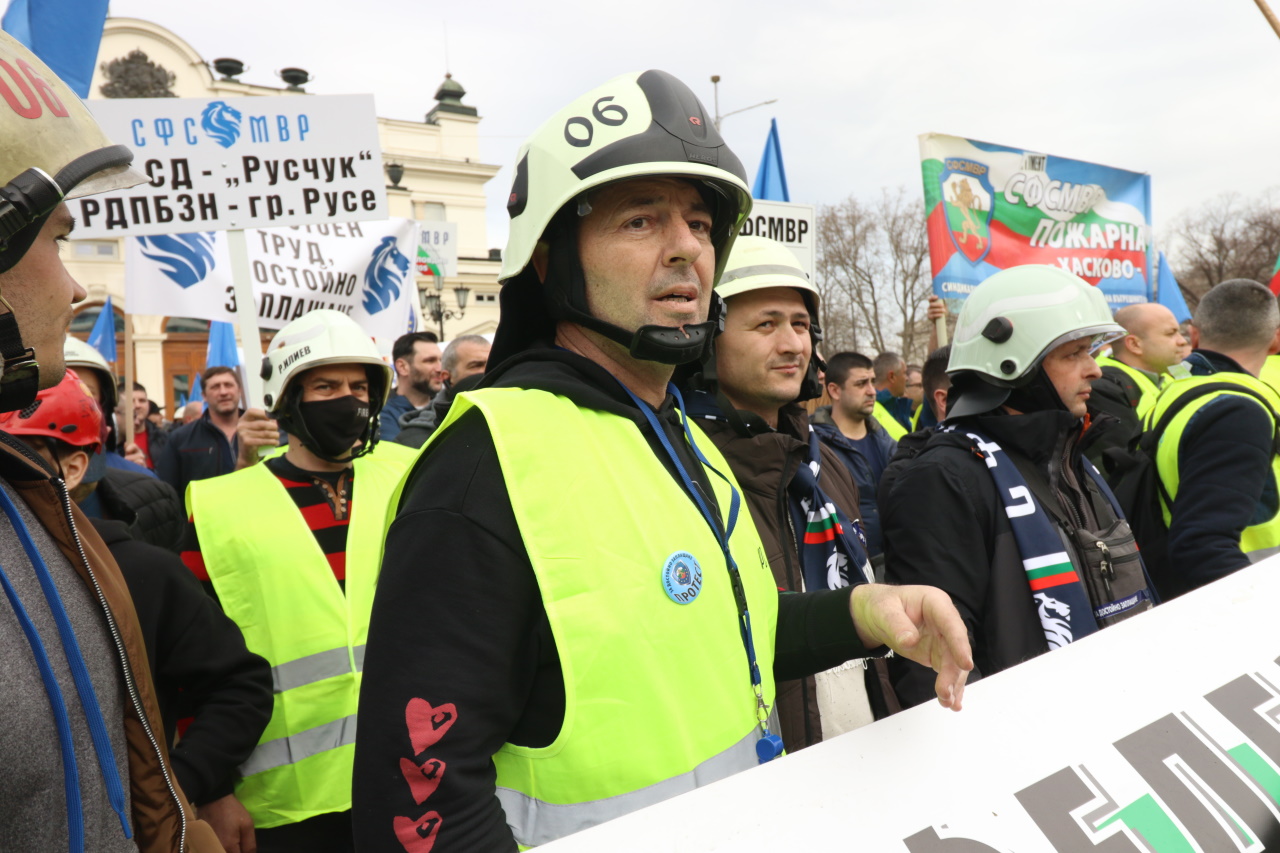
(646, 539)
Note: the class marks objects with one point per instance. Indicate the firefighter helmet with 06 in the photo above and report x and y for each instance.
(638, 125)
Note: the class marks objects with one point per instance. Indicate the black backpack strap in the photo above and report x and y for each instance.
(1150, 440)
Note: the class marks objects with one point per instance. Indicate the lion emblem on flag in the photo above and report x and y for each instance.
(1055, 618)
(382, 278)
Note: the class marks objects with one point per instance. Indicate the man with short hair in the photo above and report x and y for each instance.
(149, 438)
(191, 411)
(602, 630)
(849, 427)
(415, 358)
(794, 486)
(291, 548)
(914, 388)
(85, 765)
(208, 446)
(893, 408)
(463, 364)
(1218, 456)
(999, 507)
(936, 384)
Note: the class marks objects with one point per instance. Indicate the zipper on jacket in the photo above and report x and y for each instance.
(1106, 568)
(129, 683)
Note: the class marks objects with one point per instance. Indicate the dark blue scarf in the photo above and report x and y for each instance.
(832, 547)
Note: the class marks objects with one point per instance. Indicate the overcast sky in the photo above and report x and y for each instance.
(1186, 91)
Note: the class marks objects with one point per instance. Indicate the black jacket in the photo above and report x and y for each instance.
(196, 451)
(458, 619)
(860, 468)
(1225, 482)
(416, 425)
(1117, 395)
(199, 664)
(945, 525)
(151, 509)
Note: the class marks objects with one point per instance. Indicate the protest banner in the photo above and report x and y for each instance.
(1156, 734)
(990, 207)
(238, 163)
(791, 224)
(235, 163)
(437, 251)
(1275, 278)
(359, 268)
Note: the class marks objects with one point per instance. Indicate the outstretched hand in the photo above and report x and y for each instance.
(921, 624)
(255, 430)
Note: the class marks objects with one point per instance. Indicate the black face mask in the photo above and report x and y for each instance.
(335, 425)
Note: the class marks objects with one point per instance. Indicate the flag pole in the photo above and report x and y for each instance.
(127, 394)
(246, 317)
(1269, 15)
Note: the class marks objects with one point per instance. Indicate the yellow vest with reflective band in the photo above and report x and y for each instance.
(1149, 390)
(1259, 540)
(658, 696)
(889, 422)
(1271, 372)
(274, 582)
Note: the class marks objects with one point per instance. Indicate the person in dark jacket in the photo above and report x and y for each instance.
(848, 426)
(764, 368)
(208, 446)
(149, 507)
(1219, 457)
(999, 507)
(415, 358)
(417, 425)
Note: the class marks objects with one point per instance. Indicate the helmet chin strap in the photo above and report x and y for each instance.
(19, 372)
(566, 288)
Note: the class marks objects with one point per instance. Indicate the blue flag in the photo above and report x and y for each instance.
(1169, 294)
(222, 346)
(65, 34)
(103, 336)
(771, 179)
(197, 391)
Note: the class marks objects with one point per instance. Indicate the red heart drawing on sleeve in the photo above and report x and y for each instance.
(426, 723)
(423, 780)
(418, 836)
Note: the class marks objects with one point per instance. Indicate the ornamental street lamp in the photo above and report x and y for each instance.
(433, 303)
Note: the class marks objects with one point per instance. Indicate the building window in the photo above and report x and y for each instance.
(428, 211)
(94, 249)
(486, 297)
(83, 321)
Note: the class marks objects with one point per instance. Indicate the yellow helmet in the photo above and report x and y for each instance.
(53, 149)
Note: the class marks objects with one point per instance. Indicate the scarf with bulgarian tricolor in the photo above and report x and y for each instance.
(1062, 601)
(832, 547)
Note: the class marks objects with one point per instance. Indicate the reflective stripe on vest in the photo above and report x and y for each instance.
(292, 749)
(1257, 541)
(315, 667)
(1147, 389)
(274, 581)
(535, 822)
(658, 697)
(889, 422)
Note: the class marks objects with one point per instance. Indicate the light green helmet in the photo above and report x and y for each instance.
(1012, 320)
(638, 125)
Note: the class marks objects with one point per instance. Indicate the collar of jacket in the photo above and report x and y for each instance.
(1035, 436)
(1206, 362)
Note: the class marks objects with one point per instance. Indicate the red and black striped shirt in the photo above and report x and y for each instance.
(324, 499)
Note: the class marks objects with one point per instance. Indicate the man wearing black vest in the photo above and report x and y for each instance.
(1000, 508)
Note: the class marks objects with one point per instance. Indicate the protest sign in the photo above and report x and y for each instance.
(362, 269)
(1156, 734)
(793, 225)
(990, 207)
(437, 251)
(234, 163)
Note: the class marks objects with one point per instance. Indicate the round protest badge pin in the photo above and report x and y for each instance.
(682, 577)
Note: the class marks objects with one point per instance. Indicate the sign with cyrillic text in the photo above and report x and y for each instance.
(1158, 734)
(793, 225)
(236, 163)
(991, 207)
(363, 269)
(437, 250)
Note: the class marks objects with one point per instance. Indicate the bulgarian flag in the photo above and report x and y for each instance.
(1049, 571)
(822, 525)
(1275, 278)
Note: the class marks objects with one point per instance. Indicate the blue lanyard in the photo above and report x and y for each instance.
(84, 687)
(770, 745)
